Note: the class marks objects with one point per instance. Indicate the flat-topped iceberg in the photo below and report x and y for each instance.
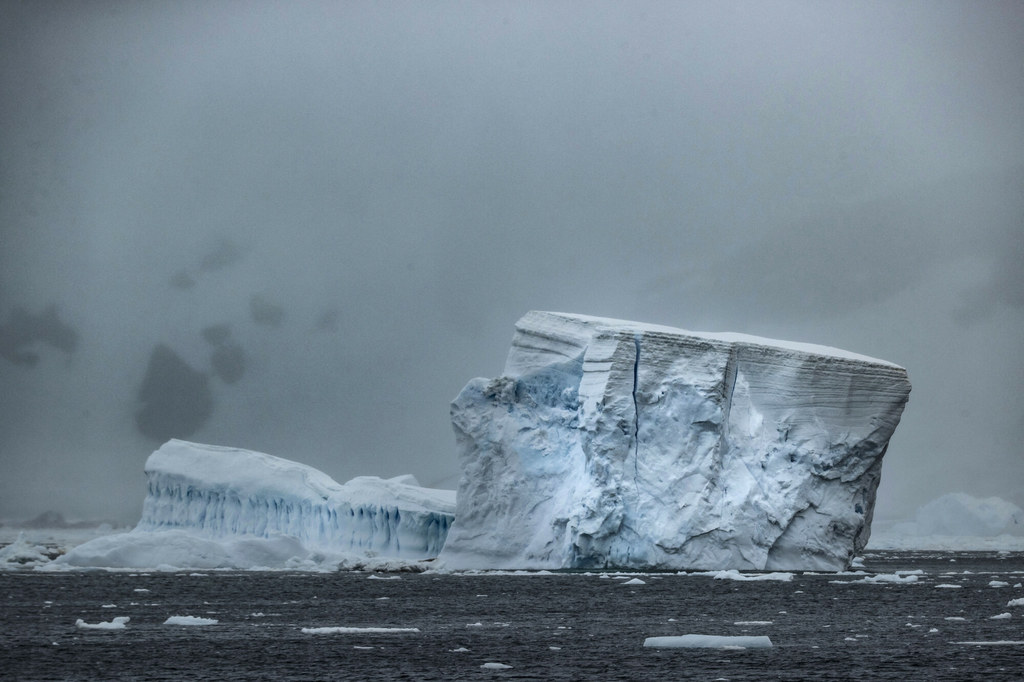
(218, 507)
(614, 443)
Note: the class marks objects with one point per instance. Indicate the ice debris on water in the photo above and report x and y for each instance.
(190, 620)
(709, 642)
(118, 623)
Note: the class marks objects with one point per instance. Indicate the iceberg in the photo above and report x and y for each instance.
(608, 443)
(957, 521)
(218, 507)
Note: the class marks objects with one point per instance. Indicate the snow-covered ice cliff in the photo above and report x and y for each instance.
(218, 507)
(613, 443)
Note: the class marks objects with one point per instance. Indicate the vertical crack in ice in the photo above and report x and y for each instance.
(636, 412)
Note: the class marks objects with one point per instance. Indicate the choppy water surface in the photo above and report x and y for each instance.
(562, 626)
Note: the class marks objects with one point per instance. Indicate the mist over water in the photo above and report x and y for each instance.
(302, 229)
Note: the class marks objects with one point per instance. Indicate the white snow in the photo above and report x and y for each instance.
(217, 507)
(1001, 616)
(611, 443)
(118, 623)
(492, 665)
(709, 642)
(998, 583)
(1015, 602)
(190, 620)
(353, 630)
(948, 586)
(633, 581)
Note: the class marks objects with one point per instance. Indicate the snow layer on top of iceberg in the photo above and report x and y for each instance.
(217, 507)
(616, 443)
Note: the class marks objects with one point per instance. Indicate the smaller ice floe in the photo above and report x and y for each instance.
(492, 665)
(955, 618)
(753, 622)
(998, 583)
(709, 642)
(374, 576)
(460, 650)
(190, 620)
(948, 586)
(733, 574)
(1015, 602)
(1000, 642)
(634, 581)
(351, 631)
(889, 578)
(1001, 616)
(118, 623)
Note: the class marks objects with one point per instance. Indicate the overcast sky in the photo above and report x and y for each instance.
(397, 183)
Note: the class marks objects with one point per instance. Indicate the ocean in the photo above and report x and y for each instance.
(903, 615)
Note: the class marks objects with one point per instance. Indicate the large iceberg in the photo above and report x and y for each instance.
(218, 507)
(613, 443)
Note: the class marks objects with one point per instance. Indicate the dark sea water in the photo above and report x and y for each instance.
(546, 627)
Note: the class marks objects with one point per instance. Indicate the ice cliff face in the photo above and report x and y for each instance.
(612, 443)
(217, 507)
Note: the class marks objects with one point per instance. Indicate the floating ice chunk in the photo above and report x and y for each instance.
(733, 574)
(1001, 616)
(753, 622)
(955, 618)
(118, 623)
(634, 581)
(190, 620)
(350, 631)
(709, 642)
(1002, 642)
(948, 586)
(1015, 602)
(891, 578)
(460, 650)
(998, 583)
(22, 554)
(495, 666)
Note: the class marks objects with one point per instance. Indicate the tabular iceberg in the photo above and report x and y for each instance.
(218, 507)
(613, 443)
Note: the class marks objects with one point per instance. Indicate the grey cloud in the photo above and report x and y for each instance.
(401, 181)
